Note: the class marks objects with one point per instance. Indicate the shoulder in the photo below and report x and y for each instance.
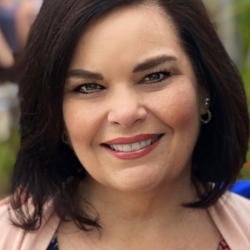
(235, 204)
(10, 235)
(15, 238)
(231, 216)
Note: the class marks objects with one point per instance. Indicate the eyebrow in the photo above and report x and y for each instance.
(154, 62)
(82, 73)
(146, 65)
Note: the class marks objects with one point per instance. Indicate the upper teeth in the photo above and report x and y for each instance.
(131, 147)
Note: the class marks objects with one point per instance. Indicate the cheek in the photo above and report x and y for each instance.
(183, 111)
(81, 122)
(177, 107)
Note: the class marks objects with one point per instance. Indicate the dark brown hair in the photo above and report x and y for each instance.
(47, 169)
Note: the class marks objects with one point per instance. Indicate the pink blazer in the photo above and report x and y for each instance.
(231, 214)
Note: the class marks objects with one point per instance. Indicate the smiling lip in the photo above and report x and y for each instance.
(132, 139)
(128, 140)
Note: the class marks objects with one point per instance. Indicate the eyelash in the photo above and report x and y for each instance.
(164, 73)
(95, 87)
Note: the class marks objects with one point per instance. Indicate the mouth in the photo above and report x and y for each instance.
(135, 146)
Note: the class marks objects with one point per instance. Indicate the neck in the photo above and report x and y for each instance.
(145, 219)
(129, 210)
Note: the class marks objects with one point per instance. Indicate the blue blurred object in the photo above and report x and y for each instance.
(8, 26)
(242, 187)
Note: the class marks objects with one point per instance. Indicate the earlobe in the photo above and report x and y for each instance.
(205, 105)
(204, 99)
(205, 113)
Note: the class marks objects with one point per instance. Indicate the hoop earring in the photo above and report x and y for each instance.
(65, 138)
(206, 118)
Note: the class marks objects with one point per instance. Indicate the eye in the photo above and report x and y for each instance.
(157, 77)
(88, 88)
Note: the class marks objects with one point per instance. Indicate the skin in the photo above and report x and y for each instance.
(142, 196)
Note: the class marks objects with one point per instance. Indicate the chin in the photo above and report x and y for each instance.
(132, 180)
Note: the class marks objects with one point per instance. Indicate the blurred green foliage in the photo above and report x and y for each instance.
(8, 152)
(245, 173)
(242, 12)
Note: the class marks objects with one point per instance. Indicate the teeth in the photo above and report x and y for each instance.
(131, 147)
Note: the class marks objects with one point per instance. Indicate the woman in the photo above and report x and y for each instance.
(134, 123)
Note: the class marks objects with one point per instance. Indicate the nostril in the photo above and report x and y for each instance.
(127, 116)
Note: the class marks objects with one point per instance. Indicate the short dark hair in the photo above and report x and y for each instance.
(47, 169)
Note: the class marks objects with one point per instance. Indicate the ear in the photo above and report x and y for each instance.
(204, 101)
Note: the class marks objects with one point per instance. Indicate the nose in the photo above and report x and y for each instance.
(126, 109)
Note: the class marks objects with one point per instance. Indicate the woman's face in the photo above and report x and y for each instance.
(131, 106)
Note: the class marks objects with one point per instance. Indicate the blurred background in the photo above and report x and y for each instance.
(230, 17)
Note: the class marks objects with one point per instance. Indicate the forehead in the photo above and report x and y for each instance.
(128, 34)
